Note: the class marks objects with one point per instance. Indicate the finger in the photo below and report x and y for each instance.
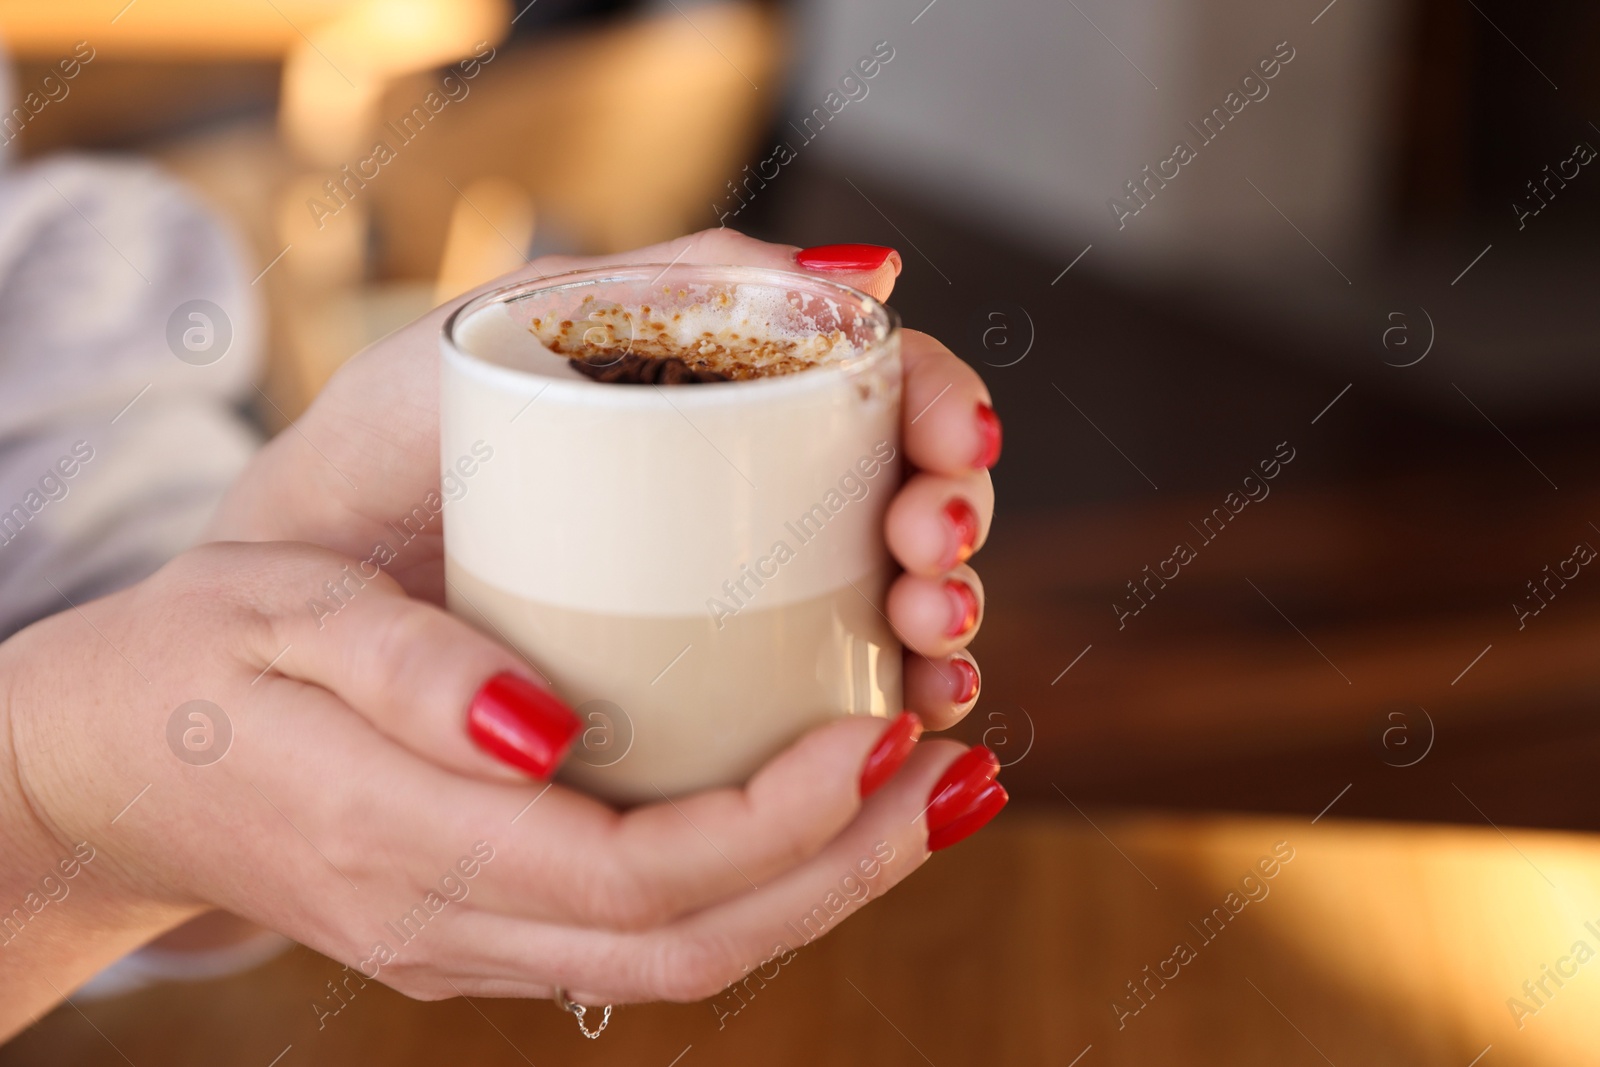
(658, 862)
(398, 845)
(598, 869)
(411, 671)
(870, 268)
(936, 616)
(950, 424)
(942, 691)
(376, 829)
(936, 522)
(422, 677)
(702, 953)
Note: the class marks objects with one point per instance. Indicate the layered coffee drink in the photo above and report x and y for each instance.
(681, 526)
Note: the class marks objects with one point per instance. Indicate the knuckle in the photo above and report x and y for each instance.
(202, 570)
(433, 991)
(415, 974)
(622, 900)
(554, 263)
(792, 841)
(718, 233)
(410, 981)
(693, 968)
(401, 637)
(204, 587)
(791, 836)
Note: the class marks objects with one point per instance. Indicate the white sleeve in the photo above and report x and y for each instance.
(129, 335)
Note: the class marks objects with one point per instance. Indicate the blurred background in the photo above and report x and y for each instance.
(1182, 241)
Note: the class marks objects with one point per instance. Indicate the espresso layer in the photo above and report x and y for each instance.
(625, 368)
(676, 704)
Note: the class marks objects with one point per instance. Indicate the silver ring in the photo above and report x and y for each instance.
(578, 1011)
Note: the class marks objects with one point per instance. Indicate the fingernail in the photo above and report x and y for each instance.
(963, 607)
(989, 432)
(890, 752)
(520, 724)
(962, 519)
(843, 257)
(984, 807)
(960, 786)
(966, 682)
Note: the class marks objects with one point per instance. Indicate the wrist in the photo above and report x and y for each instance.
(67, 908)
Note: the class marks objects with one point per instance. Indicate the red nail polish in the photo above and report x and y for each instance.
(985, 806)
(957, 790)
(843, 257)
(962, 519)
(989, 432)
(518, 723)
(963, 607)
(966, 687)
(890, 752)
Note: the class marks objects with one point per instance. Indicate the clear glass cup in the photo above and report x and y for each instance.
(699, 570)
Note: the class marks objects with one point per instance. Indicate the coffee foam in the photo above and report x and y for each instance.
(748, 332)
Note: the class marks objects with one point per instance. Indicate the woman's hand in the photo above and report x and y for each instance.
(367, 454)
(338, 797)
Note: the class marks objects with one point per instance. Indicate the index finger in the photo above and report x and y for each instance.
(873, 272)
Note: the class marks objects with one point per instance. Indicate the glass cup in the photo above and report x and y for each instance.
(699, 569)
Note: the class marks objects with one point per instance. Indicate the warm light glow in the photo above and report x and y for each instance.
(194, 29)
(1440, 923)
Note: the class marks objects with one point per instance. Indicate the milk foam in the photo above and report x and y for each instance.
(743, 331)
(492, 335)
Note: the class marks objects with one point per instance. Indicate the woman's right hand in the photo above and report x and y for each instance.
(354, 811)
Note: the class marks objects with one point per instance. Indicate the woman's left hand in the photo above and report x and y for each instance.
(366, 454)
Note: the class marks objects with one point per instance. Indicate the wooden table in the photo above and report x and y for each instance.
(1336, 635)
(1373, 945)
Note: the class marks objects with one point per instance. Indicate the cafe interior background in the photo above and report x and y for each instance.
(1186, 242)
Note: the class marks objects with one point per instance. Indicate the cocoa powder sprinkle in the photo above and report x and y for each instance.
(611, 343)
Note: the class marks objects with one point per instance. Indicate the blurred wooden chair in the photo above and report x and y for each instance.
(617, 135)
(338, 57)
(613, 136)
